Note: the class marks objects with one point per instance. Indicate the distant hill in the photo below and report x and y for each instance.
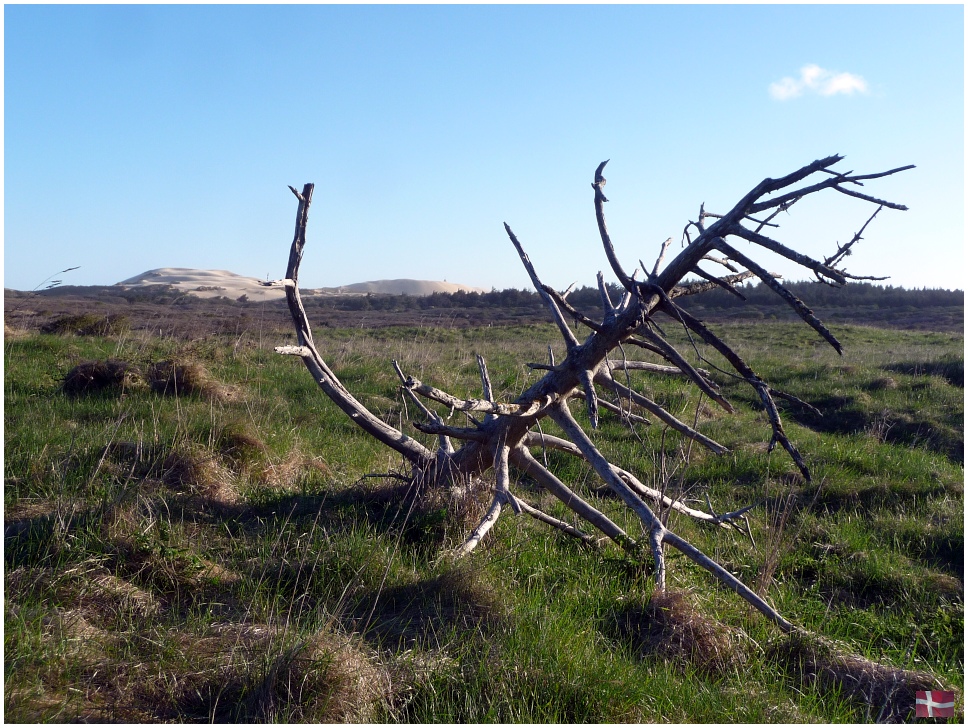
(215, 283)
(170, 293)
(402, 286)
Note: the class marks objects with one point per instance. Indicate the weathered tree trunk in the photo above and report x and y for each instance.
(502, 438)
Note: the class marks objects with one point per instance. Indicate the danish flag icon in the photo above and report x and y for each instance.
(934, 704)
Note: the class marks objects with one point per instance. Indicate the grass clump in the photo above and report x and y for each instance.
(88, 324)
(670, 628)
(886, 693)
(327, 678)
(424, 613)
(233, 559)
(111, 375)
(184, 378)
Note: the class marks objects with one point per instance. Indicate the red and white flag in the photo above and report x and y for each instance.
(934, 704)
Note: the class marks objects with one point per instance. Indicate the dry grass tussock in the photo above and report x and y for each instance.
(187, 468)
(329, 678)
(98, 376)
(87, 324)
(288, 471)
(671, 628)
(888, 692)
(110, 653)
(428, 613)
(14, 332)
(229, 672)
(463, 506)
(174, 378)
(200, 472)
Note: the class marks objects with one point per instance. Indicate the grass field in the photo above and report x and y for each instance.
(237, 550)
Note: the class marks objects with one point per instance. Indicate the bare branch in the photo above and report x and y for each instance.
(659, 412)
(779, 435)
(795, 400)
(600, 201)
(432, 417)
(845, 250)
(644, 491)
(646, 366)
(627, 417)
(670, 353)
(591, 397)
(658, 261)
(607, 306)
(629, 295)
(569, 337)
(485, 379)
(795, 303)
(831, 182)
(501, 476)
(437, 427)
(719, 282)
(294, 350)
(556, 523)
(325, 378)
(722, 261)
(524, 460)
(694, 288)
(476, 405)
(571, 310)
(486, 524)
(562, 417)
(727, 579)
(786, 252)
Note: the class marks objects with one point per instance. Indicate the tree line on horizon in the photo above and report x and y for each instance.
(757, 296)
(859, 302)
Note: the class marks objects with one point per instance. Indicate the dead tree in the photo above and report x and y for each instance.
(502, 434)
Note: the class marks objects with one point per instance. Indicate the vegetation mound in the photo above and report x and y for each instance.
(887, 693)
(184, 378)
(97, 376)
(671, 629)
(328, 678)
(88, 324)
(179, 559)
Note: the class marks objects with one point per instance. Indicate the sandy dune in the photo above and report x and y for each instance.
(211, 283)
(403, 285)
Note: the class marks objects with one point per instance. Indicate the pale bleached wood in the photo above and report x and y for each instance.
(501, 440)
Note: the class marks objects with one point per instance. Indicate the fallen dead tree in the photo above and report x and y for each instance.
(502, 434)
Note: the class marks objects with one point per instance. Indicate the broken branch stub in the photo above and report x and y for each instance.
(506, 440)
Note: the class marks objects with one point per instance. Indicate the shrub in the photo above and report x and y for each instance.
(88, 324)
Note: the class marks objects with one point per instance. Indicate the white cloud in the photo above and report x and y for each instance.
(817, 80)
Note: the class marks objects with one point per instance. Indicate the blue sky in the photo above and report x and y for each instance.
(138, 137)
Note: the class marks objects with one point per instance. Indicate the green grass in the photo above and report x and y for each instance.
(223, 556)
